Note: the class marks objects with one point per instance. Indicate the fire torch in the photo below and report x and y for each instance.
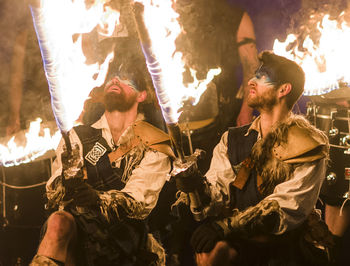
(51, 54)
(182, 164)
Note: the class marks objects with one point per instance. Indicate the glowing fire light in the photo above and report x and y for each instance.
(62, 22)
(58, 23)
(36, 146)
(163, 27)
(325, 63)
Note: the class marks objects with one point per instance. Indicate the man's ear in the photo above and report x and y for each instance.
(284, 89)
(142, 96)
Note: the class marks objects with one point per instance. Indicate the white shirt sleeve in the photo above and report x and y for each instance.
(147, 180)
(220, 174)
(297, 197)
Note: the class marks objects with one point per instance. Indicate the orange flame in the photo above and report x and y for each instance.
(37, 142)
(163, 27)
(326, 62)
(66, 18)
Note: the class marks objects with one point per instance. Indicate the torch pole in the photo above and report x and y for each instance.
(155, 71)
(50, 53)
(65, 136)
(176, 139)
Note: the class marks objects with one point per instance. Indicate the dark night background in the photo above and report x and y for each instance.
(18, 240)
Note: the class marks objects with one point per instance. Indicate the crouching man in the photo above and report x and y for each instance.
(264, 181)
(109, 184)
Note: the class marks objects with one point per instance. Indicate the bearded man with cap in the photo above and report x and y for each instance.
(264, 181)
(106, 190)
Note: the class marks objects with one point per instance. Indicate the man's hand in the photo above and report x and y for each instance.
(82, 193)
(206, 236)
(72, 164)
(222, 254)
(189, 180)
(187, 176)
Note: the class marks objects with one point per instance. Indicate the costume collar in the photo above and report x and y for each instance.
(124, 138)
(255, 126)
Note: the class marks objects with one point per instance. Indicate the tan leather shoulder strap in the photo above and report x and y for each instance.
(148, 135)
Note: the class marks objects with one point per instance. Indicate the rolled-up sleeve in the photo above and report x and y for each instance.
(220, 174)
(297, 197)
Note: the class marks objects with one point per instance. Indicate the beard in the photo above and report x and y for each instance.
(118, 102)
(264, 101)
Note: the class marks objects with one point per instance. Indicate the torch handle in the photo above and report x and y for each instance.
(65, 136)
(176, 139)
(196, 206)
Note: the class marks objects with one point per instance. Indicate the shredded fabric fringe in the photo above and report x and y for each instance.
(113, 202)
(263, 217)
(155, 247)
(133, 159)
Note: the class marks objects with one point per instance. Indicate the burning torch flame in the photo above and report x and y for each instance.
(326, 63)
(37, 145)
(163, 29)
(70, 78)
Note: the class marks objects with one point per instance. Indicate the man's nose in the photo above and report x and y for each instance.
(252, 82)
(115, 80)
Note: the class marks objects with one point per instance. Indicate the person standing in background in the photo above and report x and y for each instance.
(26, 85)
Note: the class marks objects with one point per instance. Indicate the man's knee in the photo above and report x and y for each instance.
(60, 226)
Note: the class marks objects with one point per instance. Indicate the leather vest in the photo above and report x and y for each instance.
(238, 149)
(101, 176)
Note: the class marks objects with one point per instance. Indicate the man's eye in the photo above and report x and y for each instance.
(258, 75)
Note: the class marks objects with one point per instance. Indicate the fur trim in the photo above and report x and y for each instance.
(40, 260)
(114, 201)
(155, 247)
(272, 170)
(264, 217)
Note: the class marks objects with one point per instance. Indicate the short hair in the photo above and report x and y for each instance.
(282, 70)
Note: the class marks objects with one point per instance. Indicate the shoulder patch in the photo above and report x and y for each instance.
(97, 151)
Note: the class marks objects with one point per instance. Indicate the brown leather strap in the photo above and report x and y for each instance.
(115, 155)
(148, 135)
(164, 148)
(243, 174)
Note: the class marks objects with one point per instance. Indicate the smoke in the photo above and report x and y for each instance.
(15, 19)
(306, 20)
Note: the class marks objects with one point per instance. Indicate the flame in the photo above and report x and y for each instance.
(65, 19)
(326, 62)
(163, 27)
(38, 142)
(65, 22)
